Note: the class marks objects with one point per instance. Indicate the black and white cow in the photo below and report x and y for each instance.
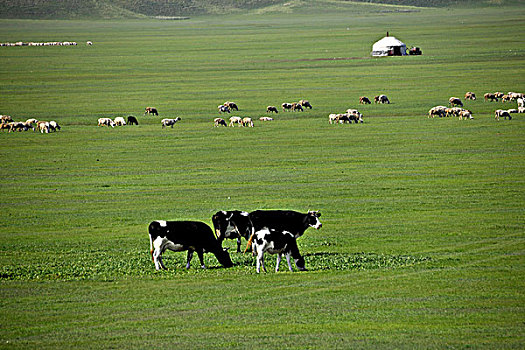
(285, 220)
(273, 241)
(232, 224)
(193, 236)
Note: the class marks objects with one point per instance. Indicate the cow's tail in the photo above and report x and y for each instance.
(249, 244)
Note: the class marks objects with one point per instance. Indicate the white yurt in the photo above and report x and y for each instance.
(389, 46)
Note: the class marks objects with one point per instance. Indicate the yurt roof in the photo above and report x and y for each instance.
(388, 41)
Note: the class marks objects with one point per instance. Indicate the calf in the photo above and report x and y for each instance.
(151, 110)
(169, 122)
(193, 236)
(276, 241)
(247, 122)
(232, 224)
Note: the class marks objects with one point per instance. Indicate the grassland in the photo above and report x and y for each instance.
(422, 241)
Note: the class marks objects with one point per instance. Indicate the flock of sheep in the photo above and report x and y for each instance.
(455, 108)
(462, 113)
(7, 123)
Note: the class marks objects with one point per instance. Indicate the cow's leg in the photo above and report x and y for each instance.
(279, 257)
(238, 244)
(288, 255)
(200, 253)
(188, 260)
(157, 258)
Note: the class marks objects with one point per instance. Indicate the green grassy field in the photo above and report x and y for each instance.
(423, 219)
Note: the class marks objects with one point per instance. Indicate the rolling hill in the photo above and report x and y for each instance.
(122, 9)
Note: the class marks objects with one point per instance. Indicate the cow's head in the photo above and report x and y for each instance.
(232, 224)
(224, 257)
(313, 219)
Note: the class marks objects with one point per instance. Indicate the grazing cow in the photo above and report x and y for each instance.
(470, 96)
(231, 105)
(106, 122)
(498, 94)
(271, 109)
(232, 224)
(521, 109)
(354, 115)
(235, 120)
(151, 110)
(219, 122)
(5, 126)
(20, 126)
(276, 241)
(53, 126)
(305, 104)
(169, 122)
(502, 113)
(265, 119)
(89, 43)
(454, 101)
(285, 220)
(297, 107)
(342, 118)
(119, 121)
(505, 98)
(286, 106)
(223, 109)
(513, 110)
(490, 96)
(193, 236)
(514, 95)
(364, 100)
(247, 122)
(132, 120)
(521, 102)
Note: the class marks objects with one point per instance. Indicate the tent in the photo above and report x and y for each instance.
(389, 46)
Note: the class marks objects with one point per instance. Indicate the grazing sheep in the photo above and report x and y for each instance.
(119, 121)
(223, 109)
(231, 105)
(470, 96)
(286, 106)
(502, 113)
(106, 122)
(151, 110)
(297, 106)
(265, 119)
(440, 111)
(169, 122)
(6, 119)
(132, 120)
(271, 109)
(219, 122)
(235, 120)
(247, 122)
(454, 101)
(43, 127)
(53, 126)
(490, 96)
(364, 100)
(305, 104)
(465, 114)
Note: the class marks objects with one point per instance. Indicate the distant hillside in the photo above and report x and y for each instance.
(114, 9)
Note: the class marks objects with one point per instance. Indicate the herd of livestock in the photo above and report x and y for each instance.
(267, 231)
(454, 108)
